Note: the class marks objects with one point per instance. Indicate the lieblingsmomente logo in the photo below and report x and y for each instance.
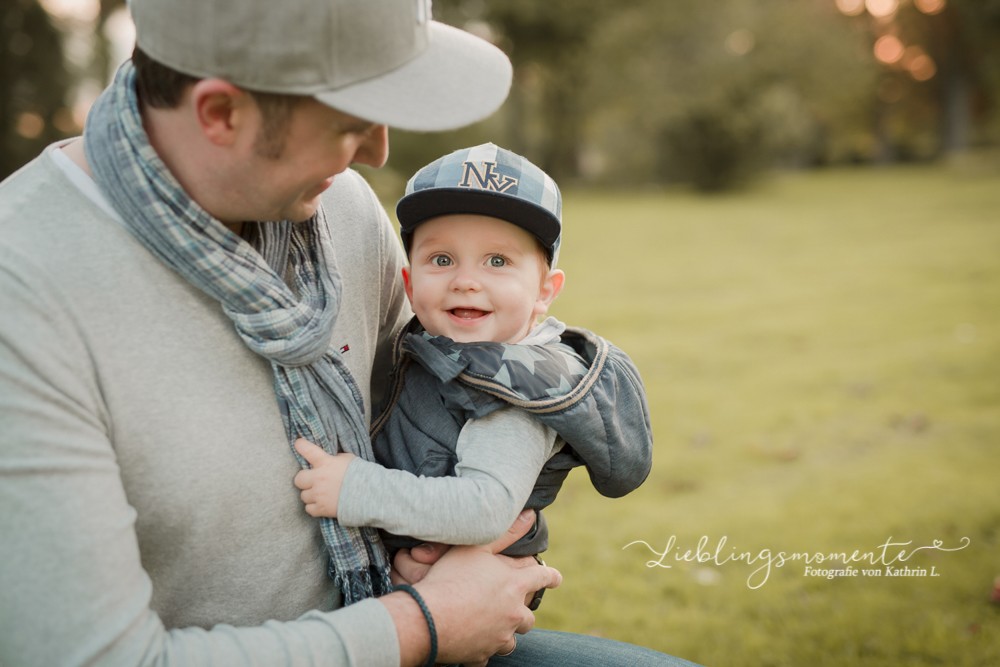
(880, 560)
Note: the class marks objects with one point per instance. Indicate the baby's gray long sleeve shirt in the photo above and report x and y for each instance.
(499, 458)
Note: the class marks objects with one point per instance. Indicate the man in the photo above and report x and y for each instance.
(146, 507)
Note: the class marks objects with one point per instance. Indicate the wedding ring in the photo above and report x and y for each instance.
(504, 655)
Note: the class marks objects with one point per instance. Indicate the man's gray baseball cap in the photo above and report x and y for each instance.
(384, 61)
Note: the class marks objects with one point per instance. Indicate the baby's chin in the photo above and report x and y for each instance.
(473, 336)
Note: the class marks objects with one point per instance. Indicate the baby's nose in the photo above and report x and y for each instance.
(465, 282)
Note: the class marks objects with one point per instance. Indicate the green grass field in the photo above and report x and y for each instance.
(822, 357)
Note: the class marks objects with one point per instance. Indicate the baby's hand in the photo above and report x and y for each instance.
(321, 485)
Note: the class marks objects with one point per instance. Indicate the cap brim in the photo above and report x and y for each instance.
(457, 80)
(417, 207)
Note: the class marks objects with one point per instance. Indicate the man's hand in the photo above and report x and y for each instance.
(321, 485)
(475, 596)
(411, 565)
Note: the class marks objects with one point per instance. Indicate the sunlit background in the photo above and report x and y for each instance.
(633, 92)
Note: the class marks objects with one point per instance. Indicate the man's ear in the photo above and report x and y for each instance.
(551, 287)
(407, 285)
(223, 110)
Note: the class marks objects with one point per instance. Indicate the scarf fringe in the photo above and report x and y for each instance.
(358, 585)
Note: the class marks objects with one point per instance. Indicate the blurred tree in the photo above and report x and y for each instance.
(940, 74)
(714, 146)
(642, 90)
(33, 84)
(728, 90)
(102, 48)
(964, 39)
(549, 45)
(545, 114)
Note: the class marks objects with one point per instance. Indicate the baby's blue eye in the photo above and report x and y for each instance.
(441, 260)
(496, 261)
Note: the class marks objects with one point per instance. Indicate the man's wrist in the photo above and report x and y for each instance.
(411, 628)
(425, 610)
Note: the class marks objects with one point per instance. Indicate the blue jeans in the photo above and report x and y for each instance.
(545, 648)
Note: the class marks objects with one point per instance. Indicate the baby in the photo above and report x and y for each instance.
(487, 409)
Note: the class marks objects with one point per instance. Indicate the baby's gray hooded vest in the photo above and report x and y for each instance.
(583, 387)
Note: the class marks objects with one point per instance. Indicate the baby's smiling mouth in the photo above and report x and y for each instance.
(468, 313)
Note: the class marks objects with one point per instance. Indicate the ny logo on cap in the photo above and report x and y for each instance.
(488, 179)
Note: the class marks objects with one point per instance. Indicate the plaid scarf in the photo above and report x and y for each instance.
(318, 398)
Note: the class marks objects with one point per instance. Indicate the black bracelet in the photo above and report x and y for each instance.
(430, 621)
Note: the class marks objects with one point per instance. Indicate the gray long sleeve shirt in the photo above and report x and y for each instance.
(147, 512)
(499, 458)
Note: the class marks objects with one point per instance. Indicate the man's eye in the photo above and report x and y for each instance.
(441, 260)
(496, 261)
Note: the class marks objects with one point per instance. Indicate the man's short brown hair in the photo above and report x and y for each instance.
(161, 87)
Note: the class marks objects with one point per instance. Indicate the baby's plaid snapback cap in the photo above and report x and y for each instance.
(485, 180)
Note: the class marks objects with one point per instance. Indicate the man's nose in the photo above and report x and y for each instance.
(374, 150)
